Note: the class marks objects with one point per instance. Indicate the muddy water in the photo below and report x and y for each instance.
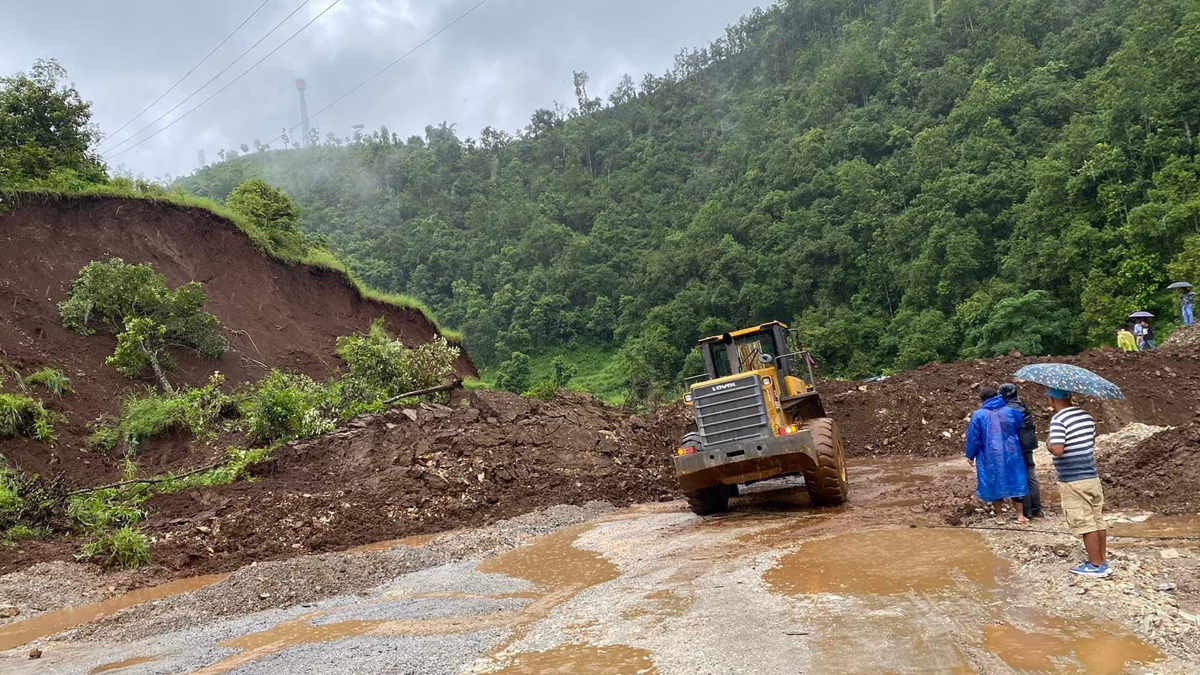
(17, 634)
(1058, 645)
(1158, 526)
(552, 561)
(575, 659)
(118, 665)
(864, 563)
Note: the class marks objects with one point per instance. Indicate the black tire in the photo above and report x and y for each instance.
(708, 501)
(826, 483)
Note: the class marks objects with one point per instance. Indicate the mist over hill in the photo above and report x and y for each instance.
(904, 180)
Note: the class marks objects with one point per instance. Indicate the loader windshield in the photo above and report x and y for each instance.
(750, 347)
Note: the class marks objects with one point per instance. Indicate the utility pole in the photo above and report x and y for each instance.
(305, 140)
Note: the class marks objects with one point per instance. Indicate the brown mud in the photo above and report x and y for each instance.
(1161, 472)
(287, 316)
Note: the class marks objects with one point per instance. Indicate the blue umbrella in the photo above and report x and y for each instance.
(1070, 378)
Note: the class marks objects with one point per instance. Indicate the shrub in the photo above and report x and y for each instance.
(381, 367)
(104, 436)
(562, 372)
(20, 414)
(53, 380)
(289, 405)
(544, 390)
(19, 533)
(272, 212)
(135, 304)
(124, 547)
(513, 375)
(29, 500)
(152, 414)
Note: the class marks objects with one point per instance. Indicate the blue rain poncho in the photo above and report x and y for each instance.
(993, 443)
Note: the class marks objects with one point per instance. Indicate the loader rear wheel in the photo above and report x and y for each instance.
(708, 501)
(826, 482)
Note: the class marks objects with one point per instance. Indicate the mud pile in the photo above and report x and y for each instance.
(924, 412)
(275, 314)
(1161, 473)
(1183, 341)
(485, 457)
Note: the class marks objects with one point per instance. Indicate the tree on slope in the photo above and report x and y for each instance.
(134, 303)
(45, 126)
(273, 212)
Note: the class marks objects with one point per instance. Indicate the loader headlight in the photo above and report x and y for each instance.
(767, 381)
(789, 429)
(687, 398)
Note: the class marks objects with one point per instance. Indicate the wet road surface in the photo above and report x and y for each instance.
(773, 587)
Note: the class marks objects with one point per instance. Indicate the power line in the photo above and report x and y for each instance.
(214, 77)
(231, 82)
(403, 56)
(185, 75)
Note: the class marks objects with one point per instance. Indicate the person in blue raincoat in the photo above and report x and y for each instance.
(994, 449)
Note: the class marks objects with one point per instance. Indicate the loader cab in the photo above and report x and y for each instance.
(747, 350)
(764, 350)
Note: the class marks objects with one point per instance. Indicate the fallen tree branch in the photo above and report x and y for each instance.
(149, 481)
(421, 392)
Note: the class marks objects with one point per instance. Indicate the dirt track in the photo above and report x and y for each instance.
(654, 589)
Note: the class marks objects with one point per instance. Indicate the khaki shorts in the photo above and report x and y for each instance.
(1083, 503)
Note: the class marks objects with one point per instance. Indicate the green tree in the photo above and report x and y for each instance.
(273, 212)
(45, 126)
(134, 303)
(514, 374)
(561, 372)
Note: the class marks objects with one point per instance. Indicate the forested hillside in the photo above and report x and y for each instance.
(905, 180)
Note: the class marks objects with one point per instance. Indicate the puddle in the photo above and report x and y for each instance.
(302, 631)
(117, 665)
(552, 561)
(888, 562)
(1056, 645)
(1158, 526)
(575, 659)
(17, 634)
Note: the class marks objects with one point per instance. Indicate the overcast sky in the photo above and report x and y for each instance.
(493, 68)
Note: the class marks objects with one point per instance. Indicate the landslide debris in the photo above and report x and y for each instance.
(429, 468)
(924, 412)
(1161, 473)
(276, 315)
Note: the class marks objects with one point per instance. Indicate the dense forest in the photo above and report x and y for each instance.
(904, 180)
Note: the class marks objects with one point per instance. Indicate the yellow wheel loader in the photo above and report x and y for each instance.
(758, 417)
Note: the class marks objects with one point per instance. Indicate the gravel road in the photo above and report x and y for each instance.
(773, 587)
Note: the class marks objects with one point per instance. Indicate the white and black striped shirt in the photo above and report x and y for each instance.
(1074, 429)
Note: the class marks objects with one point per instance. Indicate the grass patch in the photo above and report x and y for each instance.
(22, 415)
(153, 413)
(67, 188)
(52, 380)
(16, 534)
(598, 372)
(123, 547)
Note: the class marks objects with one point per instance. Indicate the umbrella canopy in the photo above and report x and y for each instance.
(1070, 378)
(1179, 284)
(1141, 315)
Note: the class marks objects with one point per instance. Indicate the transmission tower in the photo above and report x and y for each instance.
(305, 141)
(201, 158)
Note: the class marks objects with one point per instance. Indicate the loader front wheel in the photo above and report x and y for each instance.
(826, 482)
(708, 501)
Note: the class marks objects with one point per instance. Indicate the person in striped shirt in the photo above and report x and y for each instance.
(1072, 442)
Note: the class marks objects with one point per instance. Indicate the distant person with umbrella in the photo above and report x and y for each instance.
(1140, 328)
(1147, 336)
(1072, 443)
(1027, 436)
(994, 450)
(1186, 298)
